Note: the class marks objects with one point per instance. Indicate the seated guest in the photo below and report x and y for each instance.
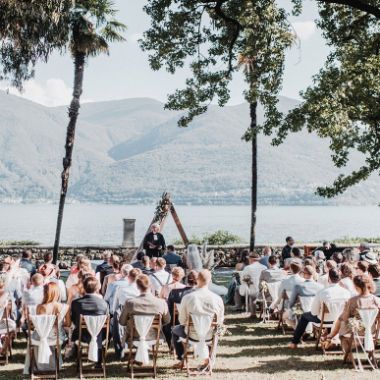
(160, 277)
(364, 300)
(138, 263)
(105, 267)
(347, 276)
(48, 269)
(250, 281)
(177, 276)
(90, 304)
(172, 258)
(329, 294)
(351, 255)
(364, 248)
(338, 258)
(286, 251)
(273, 273)
(288, 284)
(121, 282)
(126, 291)
(295, 257)
(308, 288)
(199, 301)
(35, 293)
(26, 262)
(114, 276)
(176, 295)
(243, 260)
(267, 252)
(369, 258)
(83, 264)
(50, 306)
(324, 279)
(77, 290)
(362, 268)
(145, 304)
(374, 272)
(146, 267)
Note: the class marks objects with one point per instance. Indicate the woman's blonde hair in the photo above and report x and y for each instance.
(178, 273)
(51, 293)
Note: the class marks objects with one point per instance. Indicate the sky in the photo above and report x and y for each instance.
(125, 73)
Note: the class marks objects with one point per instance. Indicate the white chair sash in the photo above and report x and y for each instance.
(273, 288)
(143, 323)
(335, 308)
(94, 325)
(2, 309)
(202, 325)
(368, 317)
(43, 325)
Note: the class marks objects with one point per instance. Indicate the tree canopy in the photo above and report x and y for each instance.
(30, 30)
(343, 105)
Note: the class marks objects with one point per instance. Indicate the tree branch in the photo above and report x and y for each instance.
(357, 4)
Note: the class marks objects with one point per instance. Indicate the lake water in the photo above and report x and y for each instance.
(102, 224)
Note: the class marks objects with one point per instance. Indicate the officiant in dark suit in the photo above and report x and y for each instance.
(154, 242)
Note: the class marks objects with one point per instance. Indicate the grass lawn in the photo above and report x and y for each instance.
(253, 351)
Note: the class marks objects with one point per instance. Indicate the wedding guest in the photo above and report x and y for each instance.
(324, 279)
(177, 275)
(199, 301)
(329, 294)
(267, 252)
(172, 258)
(308, 288)
(35, 293)
(364, 248)
(154, 242)
(105, 267)
(26, 262)
(114, 275)
(160, 277)
(364, 300)
(374, 272)
(146, 265)
(286, 251)
(138, 263)
(348, 274)
(362, 267)
(273, 273)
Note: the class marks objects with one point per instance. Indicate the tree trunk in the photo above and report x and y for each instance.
(79, 61)
(253, 114)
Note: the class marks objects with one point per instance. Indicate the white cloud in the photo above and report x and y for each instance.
(304, 29)
(54, 92)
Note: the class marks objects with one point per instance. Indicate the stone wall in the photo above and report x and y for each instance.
(226, 256)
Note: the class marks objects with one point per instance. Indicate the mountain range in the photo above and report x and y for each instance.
(130, 151)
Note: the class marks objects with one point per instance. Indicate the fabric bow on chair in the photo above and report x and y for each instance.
(368, 317)
(143, 323)
(202, 325)
(94, 325)
(43, 325)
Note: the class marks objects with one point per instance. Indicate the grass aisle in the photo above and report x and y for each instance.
(253, 351)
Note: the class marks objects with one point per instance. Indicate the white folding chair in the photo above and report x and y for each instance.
(204, 325)
(139, 346)
(39, 350)
(94, 325)
(7, 333)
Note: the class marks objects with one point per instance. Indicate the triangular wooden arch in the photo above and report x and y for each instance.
(164, 207)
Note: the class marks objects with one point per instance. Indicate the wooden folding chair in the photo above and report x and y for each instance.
(281, 322)
(132, 338)
(34, 373)
(92, 372)
(353, 345)
(7, 335)
(212, 349)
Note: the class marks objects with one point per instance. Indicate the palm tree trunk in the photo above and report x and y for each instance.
(253, 114)
(79, 61)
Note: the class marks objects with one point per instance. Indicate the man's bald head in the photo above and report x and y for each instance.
(37, 279)
(204, 278)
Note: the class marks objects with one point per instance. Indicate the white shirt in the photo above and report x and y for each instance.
(324, 280)
(122, 294)
(288, 285)
(332, 293)
(348, 284)
(158, 279)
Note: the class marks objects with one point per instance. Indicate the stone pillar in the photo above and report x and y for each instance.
(129, 232)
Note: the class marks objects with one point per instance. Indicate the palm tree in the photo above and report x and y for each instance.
(92, 28)
(247, 63)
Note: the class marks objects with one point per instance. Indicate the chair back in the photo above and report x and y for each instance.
(141, 327)
(369, 318)
(42, 324)
(333, 309)
(273, 288)
(94, 324)
(306, 303)
(203, 325)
